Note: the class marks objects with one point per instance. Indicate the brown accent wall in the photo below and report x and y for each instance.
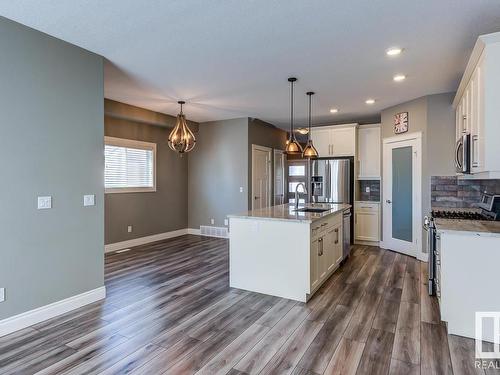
(155, 212)
(263, 134)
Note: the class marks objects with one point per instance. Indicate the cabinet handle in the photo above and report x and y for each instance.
(324, 224)
(320, 246)
(337, 235)
(475, 138)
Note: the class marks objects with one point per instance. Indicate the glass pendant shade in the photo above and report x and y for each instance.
(310, 151)
(181, 138)
(292, 146)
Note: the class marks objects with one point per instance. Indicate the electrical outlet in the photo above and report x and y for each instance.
(241, 189)
(226, 222)
(89, 200)
(44, 203)
(367, 189)
(129, 229)
(212, 221)
(2, 294)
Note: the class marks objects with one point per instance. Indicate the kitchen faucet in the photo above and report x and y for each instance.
(297, 193)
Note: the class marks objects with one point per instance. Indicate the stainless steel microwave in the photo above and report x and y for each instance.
(462, 154)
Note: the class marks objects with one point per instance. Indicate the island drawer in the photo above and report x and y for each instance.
(320, 226)
(366, 207)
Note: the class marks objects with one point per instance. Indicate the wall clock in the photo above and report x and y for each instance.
(401, 122)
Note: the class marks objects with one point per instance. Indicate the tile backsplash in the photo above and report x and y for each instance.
(451, 192)
(373, 195)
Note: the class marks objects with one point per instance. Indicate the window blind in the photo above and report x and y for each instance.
(128, 167)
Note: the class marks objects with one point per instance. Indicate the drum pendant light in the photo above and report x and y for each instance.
(181, 139)
(292, 146)
(310, 151)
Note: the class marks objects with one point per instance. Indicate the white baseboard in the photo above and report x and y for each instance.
(194, 231)
(368, 243)
(145, 240)
(52, 310)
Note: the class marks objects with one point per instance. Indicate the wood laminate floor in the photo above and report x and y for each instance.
(169, 310)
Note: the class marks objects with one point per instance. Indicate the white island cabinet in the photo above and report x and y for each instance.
(283, 252)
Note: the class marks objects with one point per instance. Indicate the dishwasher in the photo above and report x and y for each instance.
(346, 246)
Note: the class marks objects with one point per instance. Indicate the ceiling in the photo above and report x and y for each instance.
(232, 58)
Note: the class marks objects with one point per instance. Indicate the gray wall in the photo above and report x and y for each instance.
(441, 139)
(51, 116)
(153, 212)
(263, 134)
(434, 116)
(218, 167)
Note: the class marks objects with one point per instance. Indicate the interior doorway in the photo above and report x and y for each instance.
(402, 194)
(261, 177)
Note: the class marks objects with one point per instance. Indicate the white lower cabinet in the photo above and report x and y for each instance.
(314, 263)
(326, 249)
(366, 221)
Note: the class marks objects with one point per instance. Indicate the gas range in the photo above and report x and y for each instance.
(462, 215)
(489, 210)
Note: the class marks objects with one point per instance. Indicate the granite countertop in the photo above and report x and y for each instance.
(489, 228)
(286, 212)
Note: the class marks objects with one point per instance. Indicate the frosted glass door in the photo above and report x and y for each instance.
(402, 194)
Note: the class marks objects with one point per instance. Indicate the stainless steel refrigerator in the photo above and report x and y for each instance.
(332, 180)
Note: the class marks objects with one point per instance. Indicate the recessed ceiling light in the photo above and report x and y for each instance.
(370, 101)
(399, 77)
(394, 51)
(334, 110)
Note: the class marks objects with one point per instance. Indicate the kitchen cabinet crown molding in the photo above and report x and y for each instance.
(481, 43)
(337, 126)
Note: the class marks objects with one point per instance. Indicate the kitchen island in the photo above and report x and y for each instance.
(285, 252)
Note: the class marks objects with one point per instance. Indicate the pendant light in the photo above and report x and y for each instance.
(181, 138)
(292, 146)
(310, 151)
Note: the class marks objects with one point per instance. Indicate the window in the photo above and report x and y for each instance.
(297, 173)
(296, 170)
(130, 166)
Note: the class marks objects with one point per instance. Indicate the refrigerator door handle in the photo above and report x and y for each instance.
(328, 179)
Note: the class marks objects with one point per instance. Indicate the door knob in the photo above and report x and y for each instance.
(388, 201)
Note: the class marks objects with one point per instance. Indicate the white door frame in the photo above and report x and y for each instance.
(415, 249)
(269, 151)
(280, 154)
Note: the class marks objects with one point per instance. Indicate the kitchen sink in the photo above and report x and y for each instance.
(312, 209)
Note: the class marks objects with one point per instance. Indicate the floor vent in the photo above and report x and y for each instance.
(214, 231)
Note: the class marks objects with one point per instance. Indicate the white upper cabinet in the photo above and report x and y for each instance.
(477, 107)
(369, 152)
(338, 140)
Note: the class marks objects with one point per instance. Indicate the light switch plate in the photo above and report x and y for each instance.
(44, 203)
(89, 200)
(367, 189)
(226, 222)
(241, 189)
(129, 229)
(2, 294)
(212, 221)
